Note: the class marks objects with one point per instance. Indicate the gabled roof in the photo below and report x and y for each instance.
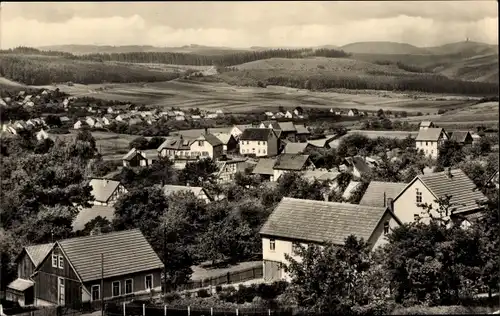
(358, 163)
(320, 221)
(322, 142)
(463, 191)
(287, 127)
(291, 162)
(256, 134)
(224, 137)
(374, 194)
(302, 130)
(102, 189)
(321, 175)
(243, 127)
(426, 124)
(265, 166)
(84, 254)
(171, 189)
(20, 285)
(460, 136)
(355, 111)
(131, 154)
(211, 139)
(87, 214)
(353, 185)
(38, 252)
(430, 134)
(176, 143)
(295, 148)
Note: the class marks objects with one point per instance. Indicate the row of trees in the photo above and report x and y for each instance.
(45, 70)
(427, 83)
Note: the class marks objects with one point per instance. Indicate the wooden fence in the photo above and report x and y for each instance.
(226, 278)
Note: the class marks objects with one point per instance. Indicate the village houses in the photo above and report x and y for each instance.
(430, 139)
(297, 222)
(259, 142)
(106, 191)
(426, 189)
(198, 192)
(291, 163)
(204, 146)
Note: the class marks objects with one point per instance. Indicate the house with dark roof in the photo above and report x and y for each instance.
(86, 215)
(22, 290)
(461, 137)
(72, 271)
(237, 130)
(291, 163)
(427, 188)
(183, 148)
(297, 222)
(430, 139)
(259, 142)
(134, 158)
(379, 193)
(264, 168)
(302, 132)
(198, 192)
(323, 142)
(105, 191)
(356, 165)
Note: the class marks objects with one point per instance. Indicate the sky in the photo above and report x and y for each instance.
(245, 24)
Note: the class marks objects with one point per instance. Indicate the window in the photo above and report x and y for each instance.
(61, 262)
(419, 196)
(149, 281)
(96, 292)
(200, 143)
(295, 248)
(426, 143)
(272, 244)
(253, 149)
(386, 228)
(259, 151)
(432, 151)
(263, 151)
(115, 287)
(129, 285)
(54, 261)
(416, 217)
(258, 143)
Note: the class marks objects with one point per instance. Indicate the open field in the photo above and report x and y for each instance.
(232, 99)
(108, 144)
(479, 114)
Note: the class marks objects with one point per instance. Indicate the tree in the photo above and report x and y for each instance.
(140, 143)
(435, 262)
(450, 154)
(155, 142)
(198, 172)
(281, 109)
(332, 279)
(380, 113)
(86, 136)
(52, 120)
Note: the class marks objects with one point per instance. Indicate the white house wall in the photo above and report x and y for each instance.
(405, 206)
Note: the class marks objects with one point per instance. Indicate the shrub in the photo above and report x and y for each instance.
(441, 111)
(218, 289)
(203, 293)
(437, 310)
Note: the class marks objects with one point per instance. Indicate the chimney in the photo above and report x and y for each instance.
(385, 200)
(206, 130)
(187, 184)
(449, 173)
(325, 196)
(390, 204)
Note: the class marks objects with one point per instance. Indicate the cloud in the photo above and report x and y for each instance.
(183, 24)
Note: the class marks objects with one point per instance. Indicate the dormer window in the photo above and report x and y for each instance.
(54, 261)
(61, 262)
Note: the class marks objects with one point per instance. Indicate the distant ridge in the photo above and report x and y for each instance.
(373, 47)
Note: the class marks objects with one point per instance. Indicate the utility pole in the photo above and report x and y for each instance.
(165, 259)
(102, 285)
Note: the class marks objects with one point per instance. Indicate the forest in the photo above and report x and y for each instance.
(46, 70)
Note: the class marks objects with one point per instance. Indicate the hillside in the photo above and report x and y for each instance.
(382, 48)
(107, 49)
(464, 48)
(44, 70)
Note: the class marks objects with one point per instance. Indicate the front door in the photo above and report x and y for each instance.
(60, 287)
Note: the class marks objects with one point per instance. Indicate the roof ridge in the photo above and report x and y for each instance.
(334, 203)
(100, 235)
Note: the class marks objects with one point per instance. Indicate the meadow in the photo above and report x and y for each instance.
(212, 96)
